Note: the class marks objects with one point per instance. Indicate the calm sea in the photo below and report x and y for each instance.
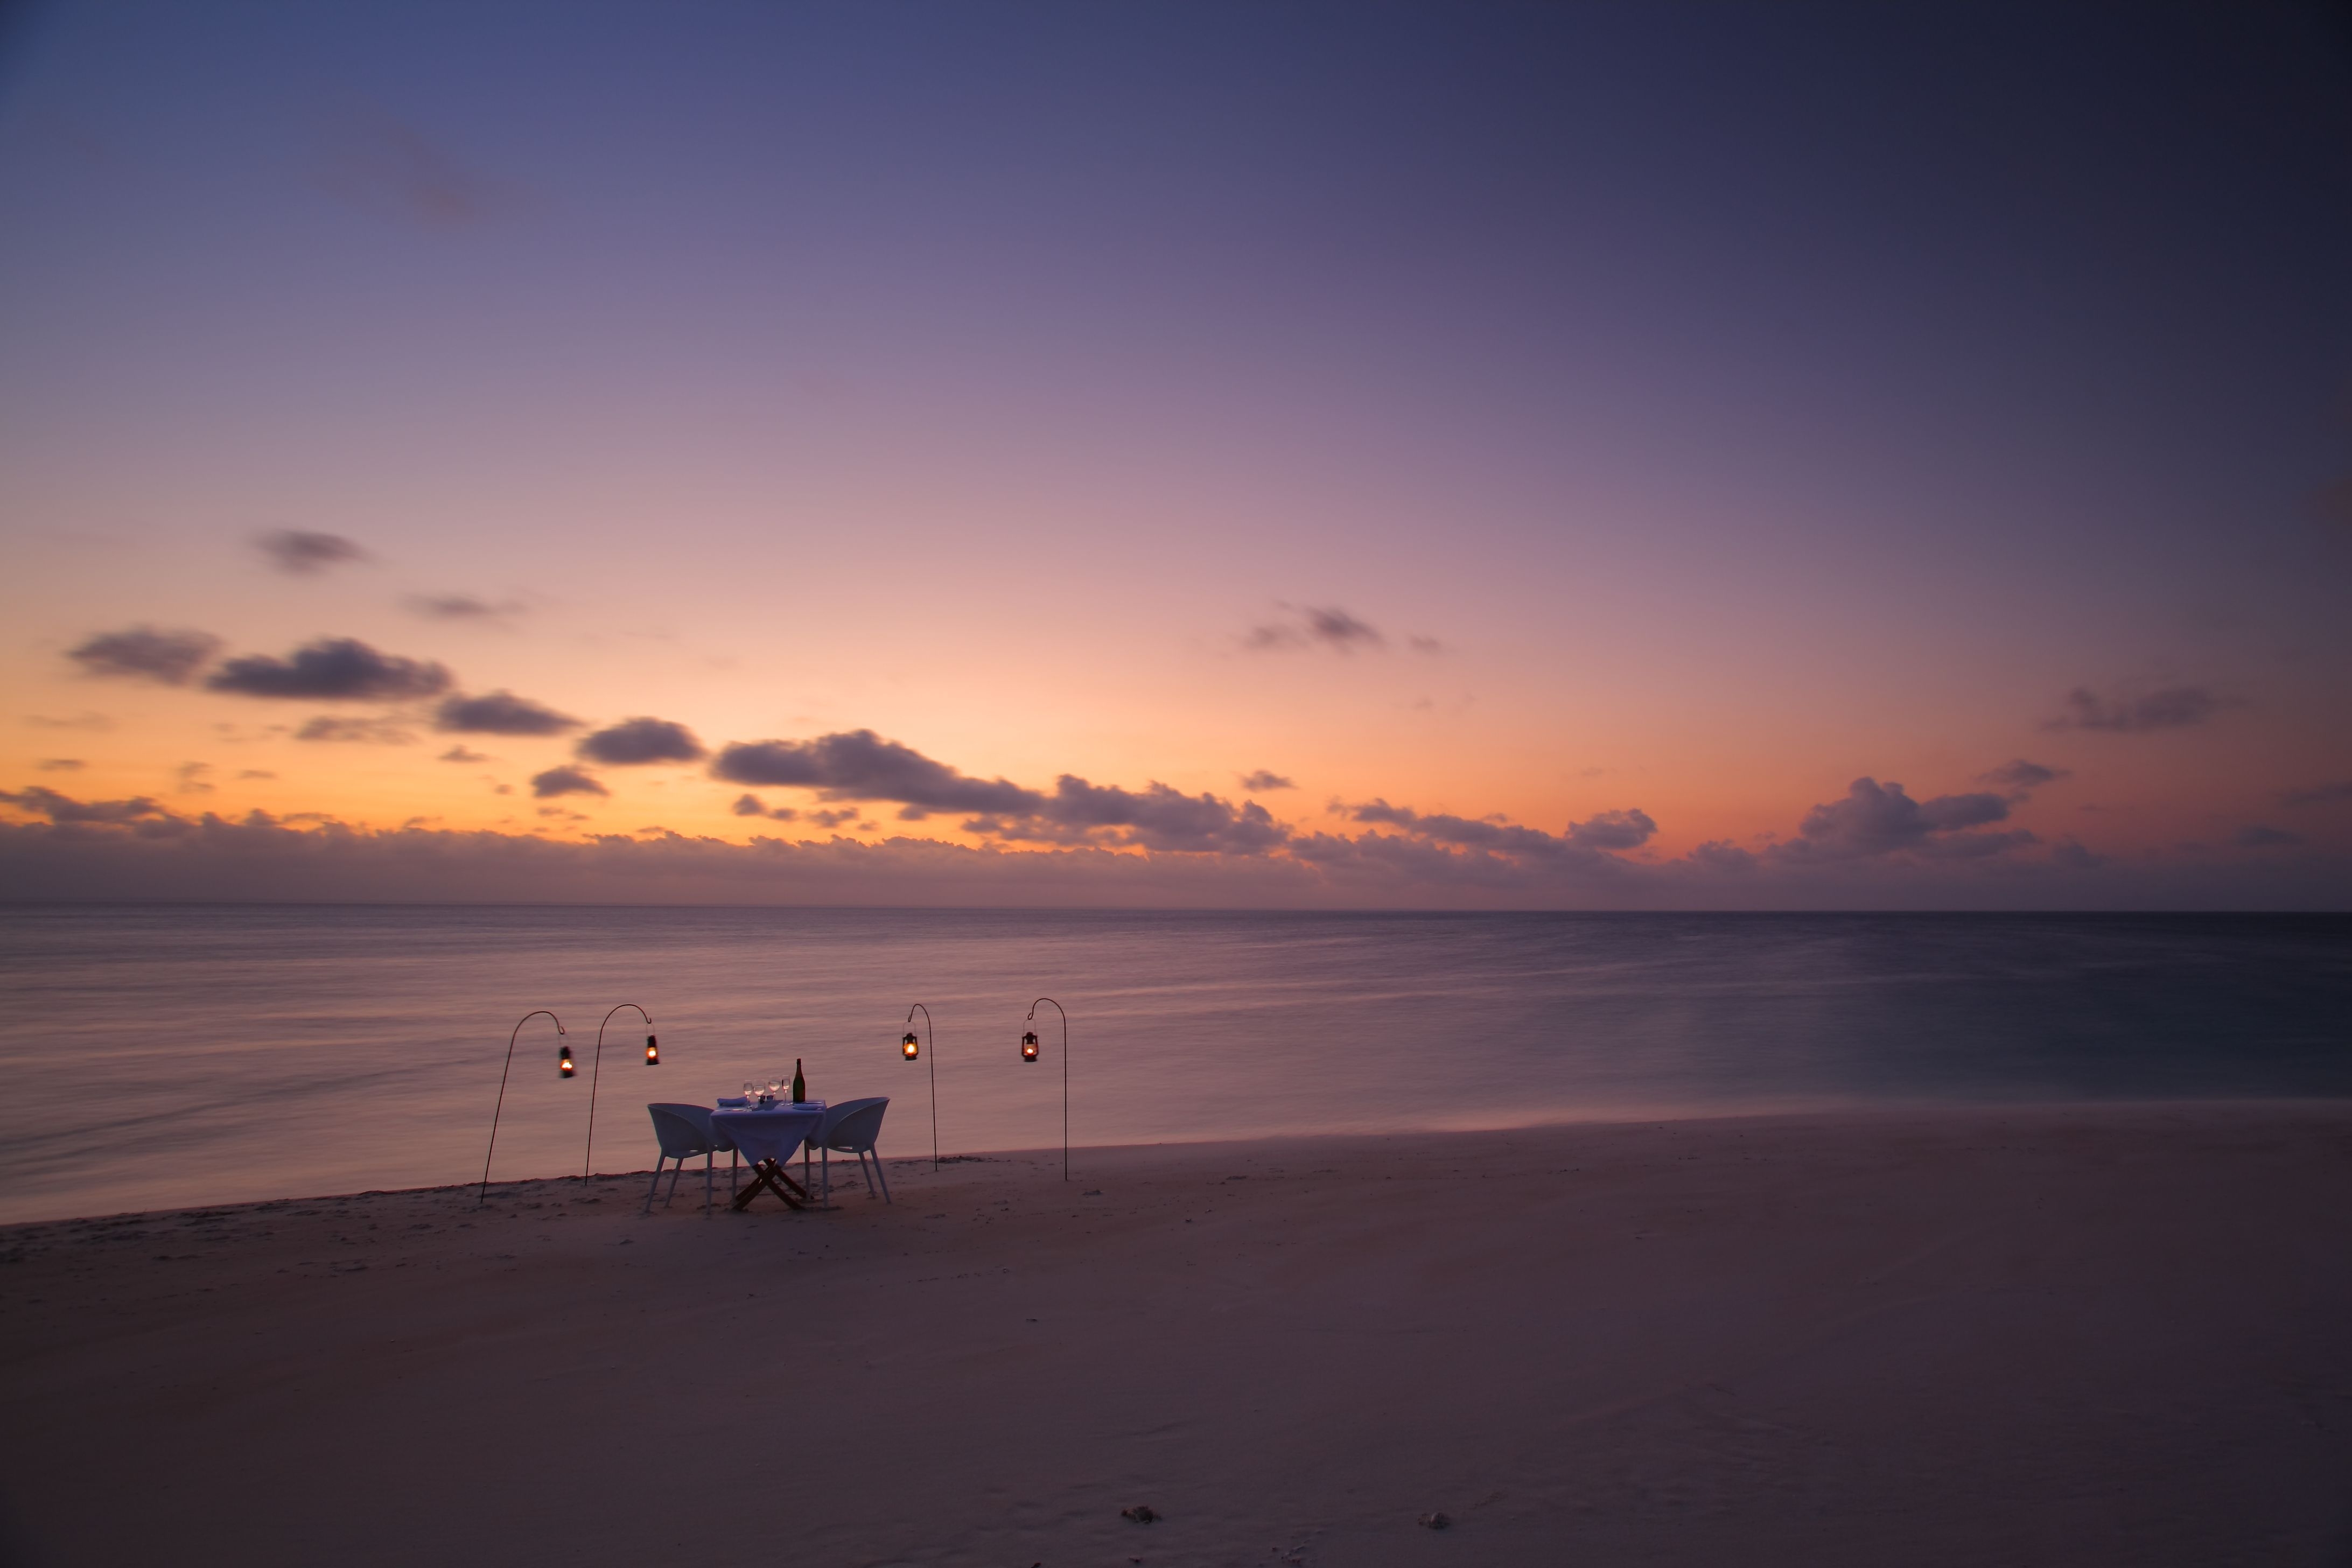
(158, 1056)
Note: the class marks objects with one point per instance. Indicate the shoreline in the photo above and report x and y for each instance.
(2090, 1333)
(1883, 1110)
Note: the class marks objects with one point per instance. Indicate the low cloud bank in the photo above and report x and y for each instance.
(138, 849)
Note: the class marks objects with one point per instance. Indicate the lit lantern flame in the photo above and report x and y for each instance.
(653, 1052)
(1029, 1047)
(563, 1060)
(911, 1045)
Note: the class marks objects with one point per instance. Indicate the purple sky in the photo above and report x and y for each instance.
(1415, 455)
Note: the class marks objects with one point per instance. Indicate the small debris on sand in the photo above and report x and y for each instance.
(1142, 1513)
(1434, 1521)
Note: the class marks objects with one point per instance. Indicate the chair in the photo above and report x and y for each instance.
(684, 1131)
(849, 1128)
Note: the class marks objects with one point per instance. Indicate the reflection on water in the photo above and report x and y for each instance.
(165, 1056)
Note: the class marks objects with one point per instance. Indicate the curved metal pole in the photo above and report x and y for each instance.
(501, 1105)
(596, 1072)
(1065, 1079)
(931, 1046)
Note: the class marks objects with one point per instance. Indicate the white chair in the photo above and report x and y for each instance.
(850, 1128)
(683, 1131)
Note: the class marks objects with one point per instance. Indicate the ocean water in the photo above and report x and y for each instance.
(168, 1055)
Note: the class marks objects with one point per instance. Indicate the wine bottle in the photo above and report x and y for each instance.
(800, 1084)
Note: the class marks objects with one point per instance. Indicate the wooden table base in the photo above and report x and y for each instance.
(769, 1176)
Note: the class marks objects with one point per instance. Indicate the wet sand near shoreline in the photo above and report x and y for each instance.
(2078, 1336)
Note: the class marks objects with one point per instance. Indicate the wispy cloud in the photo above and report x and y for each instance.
(2319, 795)
(1314, 626)
(2022, 775)
(359, 732)
(300, 552)
(58, 766)
(95, 723)
(395, 169)
(461, 607)
(1265, 781)
(459, 753)
(2258, 835)
(143, 653)
(2171, 707)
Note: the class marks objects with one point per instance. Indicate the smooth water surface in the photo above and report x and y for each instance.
(168, 1056)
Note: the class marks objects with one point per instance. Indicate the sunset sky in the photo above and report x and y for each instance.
(1294, 454)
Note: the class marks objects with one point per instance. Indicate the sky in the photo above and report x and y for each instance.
(1213, 455)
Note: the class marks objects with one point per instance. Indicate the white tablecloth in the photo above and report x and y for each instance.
(775, 1134)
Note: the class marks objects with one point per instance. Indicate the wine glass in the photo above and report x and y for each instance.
(750, 1093)
(775, 1089)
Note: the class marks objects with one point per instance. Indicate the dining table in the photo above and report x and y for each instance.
(769, 1136)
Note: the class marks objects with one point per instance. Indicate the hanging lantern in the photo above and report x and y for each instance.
(563, 1060)
(911, 1045)
(1029, 1047)
(653, 1052)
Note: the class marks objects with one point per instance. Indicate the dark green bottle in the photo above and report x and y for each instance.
(800, 1084)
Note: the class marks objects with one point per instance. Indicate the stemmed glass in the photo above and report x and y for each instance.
(750, 1094)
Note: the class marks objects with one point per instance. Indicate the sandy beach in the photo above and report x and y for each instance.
(2109, 1335)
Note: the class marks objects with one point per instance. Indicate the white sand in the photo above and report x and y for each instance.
(2045, 1336)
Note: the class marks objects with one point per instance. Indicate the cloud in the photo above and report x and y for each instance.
(2318, 794)
(49, 803)
(245, 773)
(832, 819)
(189, 778)
(1722, 855)
(1430, 645)
(500, 712)
(1587, 842)
(2258, 836)
(1612, 830)
(858, 764)
(302, 554)
(636, 741)
(1158, 817)
(332, 669)
(58, 766)
(362, 731)
(144, 653)
(460, 607)
(96, 723)
(1874, 819)
(2172, 708)
(1266, 780)
(137, 851)
(2332, 502)
(1314, 627)
(564, 781)
(459, 753)
(2070, 854)
(396, 170)
(2021, 775)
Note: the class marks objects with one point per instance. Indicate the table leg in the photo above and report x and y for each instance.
(768, 1175)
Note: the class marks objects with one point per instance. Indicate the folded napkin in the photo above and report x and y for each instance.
(737, 1103)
